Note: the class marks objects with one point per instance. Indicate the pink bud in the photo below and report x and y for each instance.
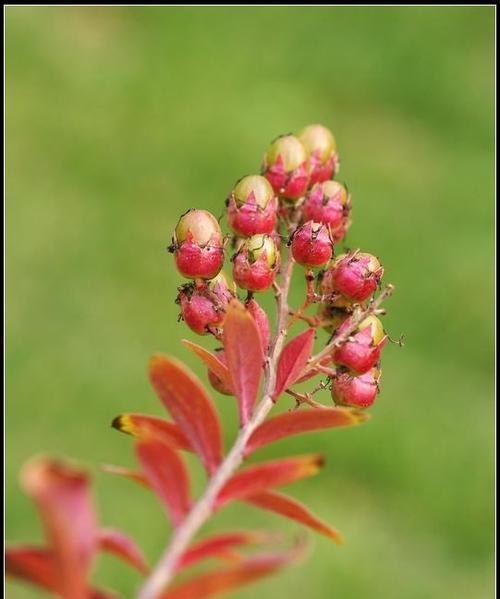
(362, 351)
(256, 263)
(252, 207)
(197, 245)
(321, 148)
(327, 203)
(215, 381)
(311, 244)
(286, 167)
(355, 276)
(358, 391)
(262, 322)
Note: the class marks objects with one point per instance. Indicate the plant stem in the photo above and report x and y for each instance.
(164, 571)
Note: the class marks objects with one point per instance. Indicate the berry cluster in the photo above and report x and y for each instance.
(295, 201)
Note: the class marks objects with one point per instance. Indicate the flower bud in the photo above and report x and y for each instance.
(311, 244)
(256, 263)
(215, 381)
(204, 305)
(354, 276)
(262, 322)
(321, 148)
(328, 203)
(285, 166)
(252, 207)
(362, 351)
(357, 391)
(197, 245)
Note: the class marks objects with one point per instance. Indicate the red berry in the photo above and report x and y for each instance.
(252, 207)
(197, 245)
(321, 148)
(363, 349)
(262, 322)
(215, 381)
(311, 244)
(355, 276)
(357, 391)
(327, 203)
(286, 167)
(256, 263)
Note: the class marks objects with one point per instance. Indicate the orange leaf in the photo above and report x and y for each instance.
(190, 406)
(32, 564)
(211, 361)
(221, 582)
(218, 546)
(166, 474)
(261, 477)
(140, 424)
(292, 360)
(114, 541)
(244, 356)
(137, 477)
(301, 421)
(293, 509)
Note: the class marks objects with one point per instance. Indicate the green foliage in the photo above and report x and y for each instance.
(119, 119)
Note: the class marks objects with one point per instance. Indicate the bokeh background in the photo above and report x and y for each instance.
(118, 120)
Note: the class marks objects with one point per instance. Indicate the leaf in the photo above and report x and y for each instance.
(244, 356)
(218, 546)
(292, 361)
(301, 421)
(211, 361)
(62, 495)
(221, 582)
(141, 424)
(190, 406)
(137, 477)
(115, 542)
(32, 564)
(293, 509)
(166, 474)
(261, 477)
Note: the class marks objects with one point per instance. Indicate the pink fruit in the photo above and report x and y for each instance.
(357, 391)
(311, 244)
(327, 203)
(321, 148)
(252, 207)
(286, 167)
(256, 263)
(362, 351)
(355, 276)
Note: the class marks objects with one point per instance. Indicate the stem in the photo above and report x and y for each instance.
(164, 570)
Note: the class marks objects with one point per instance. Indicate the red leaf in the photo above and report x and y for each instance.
(32, 564)
(166, 474)
(114, 541)
(293, 509)
(292, 360)
(218, 546)
(61, 493)
(244, 356)
(190, 406)
(140, 424)
(211, 361)
(220, 582)
(301, 421)
(261, 477)
(137, 477)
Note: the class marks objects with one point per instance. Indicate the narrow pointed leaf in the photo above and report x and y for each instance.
(32, 564)
(261, 477)
(292, 360)
(211, 361)
(115, 542)
(139, 425)
(218, 546)
(132, 475)
(222, 582)
(301, 421)
(244, 356)
(62, 495)
(166, 474)
(190, 406)
(293, 509)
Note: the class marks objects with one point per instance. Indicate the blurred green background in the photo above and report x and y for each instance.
(118, 120)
